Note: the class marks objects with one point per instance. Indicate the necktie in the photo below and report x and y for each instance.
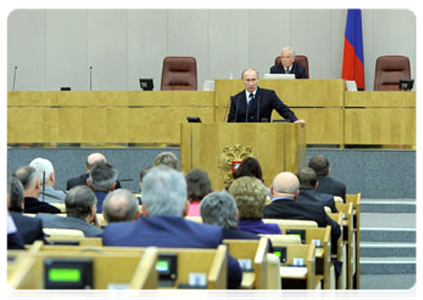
(286, 71)
(250, 103)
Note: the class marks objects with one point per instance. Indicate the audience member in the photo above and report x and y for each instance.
(29, 229)
(166, 158)
(320, 164)
(142, 174)
(102, 180)
(47, 178)
(285, 191)
(308, 185)
(250, 196)
(90, 161)
(120, 205)
(288, 65)
(80, 205)
(250, 166)
(163, 225)
(199, 185)
(28, 176)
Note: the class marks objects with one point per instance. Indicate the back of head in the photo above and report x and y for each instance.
(286, 183)
(320, 164)
(15, 194)
(93, 159)
(307, 178)
(249, 167)
(120, 205)
(250, 196)
(44, 169)
(219, 208)
(168, 159)
(27, 176)
(199, 184)
(79, 201)
(164, 192)
(102, 177)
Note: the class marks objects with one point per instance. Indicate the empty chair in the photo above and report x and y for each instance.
(389, 70)
(302, 60)
(179, 73)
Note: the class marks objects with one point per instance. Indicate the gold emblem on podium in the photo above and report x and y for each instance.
(230, 158)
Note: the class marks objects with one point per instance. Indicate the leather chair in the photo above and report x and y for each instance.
(179, 73)
(389, 70)
(302, 60)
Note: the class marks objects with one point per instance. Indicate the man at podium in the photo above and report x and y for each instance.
(255, 104)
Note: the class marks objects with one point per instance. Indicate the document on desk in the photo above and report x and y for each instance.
(293, 272)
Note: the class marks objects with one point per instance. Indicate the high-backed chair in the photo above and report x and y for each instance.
(302, 60)
(179, 73)
(389, 70)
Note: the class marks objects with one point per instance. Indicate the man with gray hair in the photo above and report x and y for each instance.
(102, 180)
(285, 190)
(81, 209)
(164, 206)
(120, 205)
(28, 176)
(288, 65)
(47, 179)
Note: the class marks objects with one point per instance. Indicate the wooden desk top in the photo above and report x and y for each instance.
(181, 294)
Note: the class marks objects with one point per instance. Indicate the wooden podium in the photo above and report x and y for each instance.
(213, 147)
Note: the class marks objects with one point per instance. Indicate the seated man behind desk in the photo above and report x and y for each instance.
(255, 104)
(288, 65)
(164, 206)
(102, 180)
(80, 213)
(120, 205)
(285, 191)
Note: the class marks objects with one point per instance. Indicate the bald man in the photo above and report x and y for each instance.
(120, 205)
(285, 190)
(255, 104)
(90, 161)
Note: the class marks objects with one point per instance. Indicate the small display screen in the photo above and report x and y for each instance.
(64, 275)
(278, 253)
(296, 234)
(162, 266)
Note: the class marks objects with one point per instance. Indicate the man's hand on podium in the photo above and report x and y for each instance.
(302, 122)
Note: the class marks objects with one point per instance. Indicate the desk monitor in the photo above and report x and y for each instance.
(167, 266)
(298, 232)
(68, 273)
(406, 84)
(193, 119)
(146, 84)
(279, 76)
(281, 253)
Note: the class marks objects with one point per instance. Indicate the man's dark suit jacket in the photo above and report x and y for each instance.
(238, 234)
(299, 71)
(329, 186)
(308, 195)
(33, 206)
(170, 232)
(286, 208)
(30, 229)
(82, 180)
(268, 101)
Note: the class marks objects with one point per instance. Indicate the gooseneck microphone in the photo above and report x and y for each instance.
(91, 78)
(227, 108)
(14, 78)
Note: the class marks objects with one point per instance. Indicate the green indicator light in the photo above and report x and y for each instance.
(64, 275)
(278, 253)
(162, 265)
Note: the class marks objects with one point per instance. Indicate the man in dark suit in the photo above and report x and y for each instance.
(320, 164)
(285, 190)
(255, 104)
(29, 229)
(308, 193)
(164, 205)
(288, 65)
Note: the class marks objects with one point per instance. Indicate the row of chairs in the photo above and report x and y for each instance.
(180, 73)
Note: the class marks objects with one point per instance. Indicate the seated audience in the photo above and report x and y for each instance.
(285, 190)
(102, 180)
(28, 176)
(288, 65)
(29, 229)
(166, 158)
(90, 161)
(120, 205)
(250, 196)
(163, 225)
(308, 185)
(199, 185)
(320, 164)
(250, 166)
(47, 178)
(81, 209)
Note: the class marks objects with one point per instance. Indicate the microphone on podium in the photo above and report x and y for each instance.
(91, 78)
(14, 78)
(227, 109)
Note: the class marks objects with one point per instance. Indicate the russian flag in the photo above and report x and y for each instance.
(353, 63)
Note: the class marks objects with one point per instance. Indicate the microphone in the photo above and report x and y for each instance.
(44, 184)
(227, 108)
(91, 78)
(258, 109)
(14, 78)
